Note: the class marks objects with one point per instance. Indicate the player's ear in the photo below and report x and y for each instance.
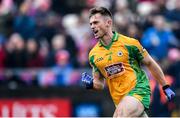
(109, 22)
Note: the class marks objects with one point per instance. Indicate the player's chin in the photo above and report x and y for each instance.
(96, 36)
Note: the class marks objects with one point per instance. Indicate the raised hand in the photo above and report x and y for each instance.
(87, 80)
(168, 92)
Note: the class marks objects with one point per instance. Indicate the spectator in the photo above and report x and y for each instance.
(133, 31)
(23, 23)
(62, 69)
(58, 43)
(173, 67)
(158, 38)
(34, 59)
(16, 54)
(123, 16)
(173, 17)
(6, 17)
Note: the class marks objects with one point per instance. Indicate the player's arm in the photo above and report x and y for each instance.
(158, 74)
(155, 69)
(98, 81)
(143, 56)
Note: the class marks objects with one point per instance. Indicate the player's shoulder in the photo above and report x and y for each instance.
(94, 49)
(128, 40)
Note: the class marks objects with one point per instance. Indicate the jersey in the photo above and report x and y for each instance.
(119, 64)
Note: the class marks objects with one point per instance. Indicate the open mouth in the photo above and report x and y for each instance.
(96, 31)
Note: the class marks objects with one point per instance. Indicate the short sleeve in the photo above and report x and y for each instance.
(139, 51)
(91, 61)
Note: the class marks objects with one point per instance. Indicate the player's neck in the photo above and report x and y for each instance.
(107, 38)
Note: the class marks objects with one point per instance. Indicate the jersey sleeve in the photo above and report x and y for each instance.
(91, 61)
(139, 51)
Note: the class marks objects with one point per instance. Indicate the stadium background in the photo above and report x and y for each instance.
(44, 48)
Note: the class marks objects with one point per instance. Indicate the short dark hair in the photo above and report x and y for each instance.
(101, 10)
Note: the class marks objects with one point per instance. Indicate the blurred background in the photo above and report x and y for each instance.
(44, 47)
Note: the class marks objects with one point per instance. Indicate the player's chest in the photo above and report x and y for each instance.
(115, 55)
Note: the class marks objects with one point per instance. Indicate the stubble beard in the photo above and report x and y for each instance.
(102, 36)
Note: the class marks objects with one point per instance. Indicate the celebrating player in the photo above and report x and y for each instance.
(117, 60)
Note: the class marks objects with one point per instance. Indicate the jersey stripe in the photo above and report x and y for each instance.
(142, 80)
(95, 69)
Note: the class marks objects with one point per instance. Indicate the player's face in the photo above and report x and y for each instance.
(98, 25)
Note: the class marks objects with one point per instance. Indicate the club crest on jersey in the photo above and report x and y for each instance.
(119, 53)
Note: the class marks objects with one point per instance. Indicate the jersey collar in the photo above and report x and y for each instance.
(114, 38)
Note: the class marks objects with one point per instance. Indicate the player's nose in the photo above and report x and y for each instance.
(92, 26)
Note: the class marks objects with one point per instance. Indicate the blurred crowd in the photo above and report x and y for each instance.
(46, 42)
(55, 34)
